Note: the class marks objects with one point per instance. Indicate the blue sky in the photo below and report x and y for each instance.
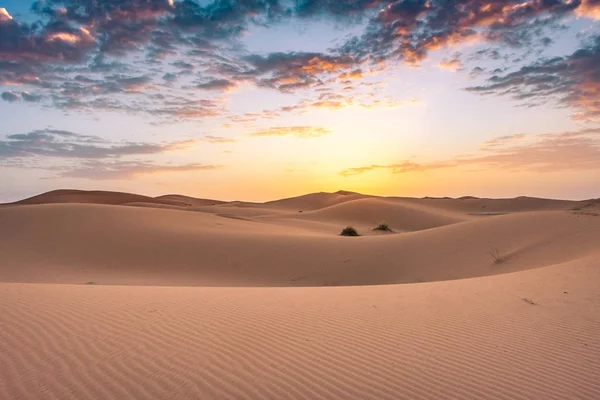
(262, 99)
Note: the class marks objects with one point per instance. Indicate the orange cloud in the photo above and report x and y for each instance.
(451, 65)
(4, 15)
(589, 9)
(298, 131)
(566, 151)
(318, 65)
(355, 74)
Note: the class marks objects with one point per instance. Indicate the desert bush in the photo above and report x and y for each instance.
(349, 231)
(496, 256)
(383, 226)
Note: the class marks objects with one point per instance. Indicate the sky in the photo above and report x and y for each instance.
(264, 99)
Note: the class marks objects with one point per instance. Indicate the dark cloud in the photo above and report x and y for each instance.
(224, 18)
(572, 81)
(31, 97)
(409, 29)
(10, 96)
(65, 144)
(488, 54)
(216, 84)
(404, 28)
(56, 41)
(338, 8)
(169, 77)
(294, 70)
(182, 64)
(566, 151)
(476, 71)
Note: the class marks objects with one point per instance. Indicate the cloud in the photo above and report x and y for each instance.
(31, 97)
(119, 170)
(476, 71)
(298, 131)
(4, 15)
(589, 8)
(342, 9)
(125, 52)
(65, 144)
(55, 42)
(566, 151)
(330, 100)
(10, 96)
(572, 81)
(217, 84)
(89, 156)
(400, 168)
(453, 64)
(218, 139)
(161, 106)
(409, 29)
(503, 140)
(294, 70)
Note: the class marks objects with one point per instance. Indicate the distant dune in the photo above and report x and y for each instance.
(115, 295)
(92, 197)
(189, 201)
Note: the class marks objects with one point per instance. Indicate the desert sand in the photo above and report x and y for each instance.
(111, 295)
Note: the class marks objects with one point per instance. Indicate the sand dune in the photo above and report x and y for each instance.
(474, 205)
(189, 201)
(314, 201)
(125, 245)
(130, 296)
(92, 197)
(367, 213)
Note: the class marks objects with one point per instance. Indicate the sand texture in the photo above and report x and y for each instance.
(109, 295)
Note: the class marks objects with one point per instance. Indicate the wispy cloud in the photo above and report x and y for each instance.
(73, 155)
(566, 151)
(218, 139)
(65, 144)
(453, 64)
(298, 131)
(216, 84)
(119, 170)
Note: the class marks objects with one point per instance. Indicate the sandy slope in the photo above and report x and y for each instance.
(189, 201)
(76, 243)
(524, 328)
(466, 339)
(314, 201)
(366, 213)
(474, 205)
